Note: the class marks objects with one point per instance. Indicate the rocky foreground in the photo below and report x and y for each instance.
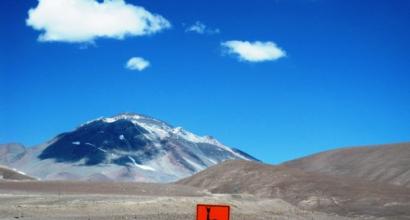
(50, 206)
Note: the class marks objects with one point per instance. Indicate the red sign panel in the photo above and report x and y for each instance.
(212, 212)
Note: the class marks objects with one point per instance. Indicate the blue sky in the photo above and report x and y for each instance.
(336, 75)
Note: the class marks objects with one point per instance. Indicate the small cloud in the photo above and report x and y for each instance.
(201, 28)
(78, 21)
(254, 51)
(137, 63)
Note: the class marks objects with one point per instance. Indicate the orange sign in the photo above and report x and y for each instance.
(212, 212)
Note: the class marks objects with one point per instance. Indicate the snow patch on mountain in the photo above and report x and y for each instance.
(195, 165)
(144, 167)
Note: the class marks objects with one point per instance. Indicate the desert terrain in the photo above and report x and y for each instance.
(344, 196)
(75, 200)
(331, 185)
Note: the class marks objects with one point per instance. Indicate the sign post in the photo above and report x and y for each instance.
(212, 212)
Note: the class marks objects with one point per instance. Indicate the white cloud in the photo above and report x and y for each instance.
(137, 63)
(254, 51)
(85, 20)
(201, 28)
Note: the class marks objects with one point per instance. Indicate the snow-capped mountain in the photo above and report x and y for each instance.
(125, 147)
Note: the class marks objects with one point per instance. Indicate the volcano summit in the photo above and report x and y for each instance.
(125, 147)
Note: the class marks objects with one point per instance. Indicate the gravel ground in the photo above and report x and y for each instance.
(36, 206)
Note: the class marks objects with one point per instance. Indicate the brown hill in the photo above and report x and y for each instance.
(344, 196)
(9, 174)
(381, 163)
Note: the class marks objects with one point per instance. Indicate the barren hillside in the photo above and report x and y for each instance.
(312, 191)
(9, 174)
(382, 163)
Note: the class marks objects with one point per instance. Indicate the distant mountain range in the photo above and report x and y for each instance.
(139, 148)
(368, 182)
(125, 147)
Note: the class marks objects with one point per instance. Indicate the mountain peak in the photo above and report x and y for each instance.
(128, 147)
(133, 117)
(157, 128)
